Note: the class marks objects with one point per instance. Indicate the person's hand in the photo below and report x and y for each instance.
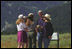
(41, 27)
(26, 29)
(32, 22)
(49, 37)
(38, 26)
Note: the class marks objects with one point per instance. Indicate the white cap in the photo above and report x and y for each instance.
(24, 16)
(20, 16)
(47, 16)
(30, 14)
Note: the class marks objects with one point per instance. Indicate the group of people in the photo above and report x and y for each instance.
(29, 30)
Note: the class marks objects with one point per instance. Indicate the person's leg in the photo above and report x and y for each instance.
(34, 41)
(25, 40)
(22, 45)
(39, 41)
(30, 42)
(46, 42)
(19, 44)
(26, 44)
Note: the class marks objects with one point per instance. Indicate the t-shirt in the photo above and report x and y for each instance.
(21, 26)
(31, 27)
(41, 23)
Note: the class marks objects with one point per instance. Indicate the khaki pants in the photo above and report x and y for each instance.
(32, 39)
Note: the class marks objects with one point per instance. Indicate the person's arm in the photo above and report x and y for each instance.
(36, 27)
(36, 30)
(25, 27)
(51, 29)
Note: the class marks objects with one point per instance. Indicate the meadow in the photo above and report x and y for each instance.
(10, 41)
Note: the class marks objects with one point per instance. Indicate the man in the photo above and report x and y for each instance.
(39, 28)
(31, 26)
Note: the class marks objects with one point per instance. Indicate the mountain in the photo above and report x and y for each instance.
(11, 9)
(61, 17)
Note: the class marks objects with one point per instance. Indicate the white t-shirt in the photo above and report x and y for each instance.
(21, 26)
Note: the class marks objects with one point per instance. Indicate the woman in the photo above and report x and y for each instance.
(32, 34)
(48, 30)
(22, 32)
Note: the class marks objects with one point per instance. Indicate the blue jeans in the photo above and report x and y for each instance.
(45, 40)
(39, 37)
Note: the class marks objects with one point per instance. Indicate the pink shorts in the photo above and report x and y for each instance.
(21, 36)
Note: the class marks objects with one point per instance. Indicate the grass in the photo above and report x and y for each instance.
(10, 41)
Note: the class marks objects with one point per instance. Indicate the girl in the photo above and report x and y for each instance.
(22, 29)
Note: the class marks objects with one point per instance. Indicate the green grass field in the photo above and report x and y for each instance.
(10, 41)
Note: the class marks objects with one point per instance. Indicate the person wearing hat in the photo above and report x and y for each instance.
(22, 32)
(48, 30)
(31, 28)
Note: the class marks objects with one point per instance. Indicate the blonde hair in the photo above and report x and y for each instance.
(28, 22)
(18, 21)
